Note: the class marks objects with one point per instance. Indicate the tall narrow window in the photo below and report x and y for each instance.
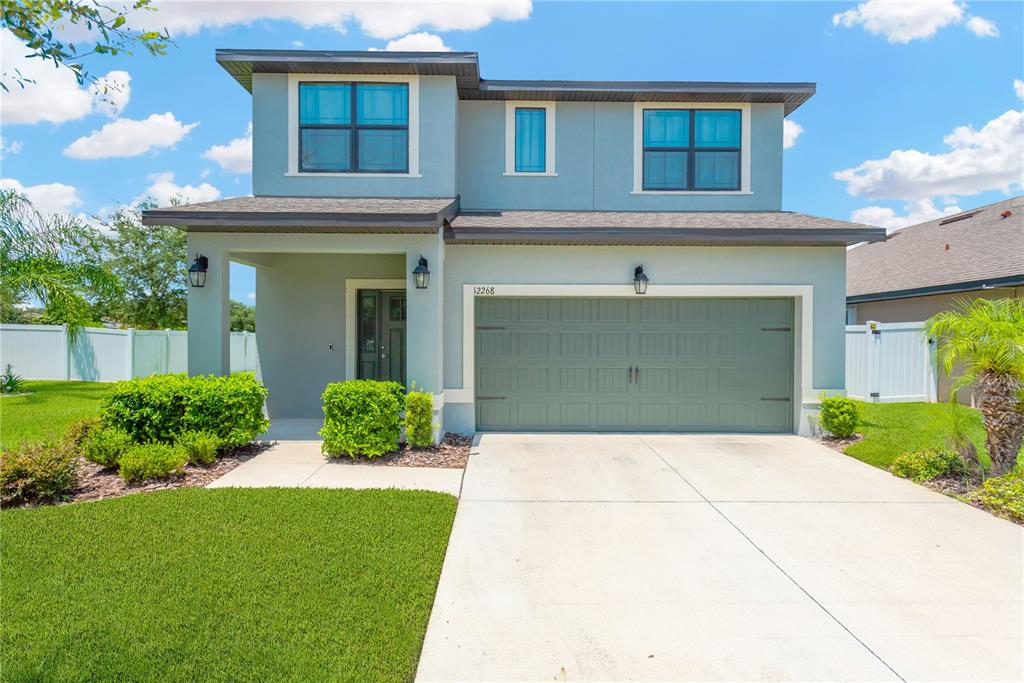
(531, 140)
(691, 149)
(354, 127)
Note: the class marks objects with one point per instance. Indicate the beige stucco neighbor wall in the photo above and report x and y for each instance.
(920, 308)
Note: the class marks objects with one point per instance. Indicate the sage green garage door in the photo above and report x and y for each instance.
(627, 364)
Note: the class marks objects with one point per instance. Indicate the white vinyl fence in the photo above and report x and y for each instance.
(889, 363)
(103, 355)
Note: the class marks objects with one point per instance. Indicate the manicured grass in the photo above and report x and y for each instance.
(48, 409)
(890, 429)
(228, 584)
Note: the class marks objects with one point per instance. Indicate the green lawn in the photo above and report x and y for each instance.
(229, 584)
(890, 429)
(47, 411)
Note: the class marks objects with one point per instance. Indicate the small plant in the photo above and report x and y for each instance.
(838, 416)
(201, 447)
(152, 461)
(419, 418)
(1003, 495)
(928, 464)
(361, 417)
(105, 446)
(37, 473)
(79, 430)
(11, 383)
(958, 441)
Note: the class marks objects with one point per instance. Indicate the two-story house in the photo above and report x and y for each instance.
(541, 255)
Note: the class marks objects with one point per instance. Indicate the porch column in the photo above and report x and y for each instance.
(209, 340)
(424, 317)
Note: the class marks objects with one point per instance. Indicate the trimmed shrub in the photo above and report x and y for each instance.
(152, 461)
(78, 431)
(361, 417)
(37, 473)
(419, 418)
(1003, 495)
(839, 416)
(106, 445)
(201, 447)
(928, 464)
(160, 407)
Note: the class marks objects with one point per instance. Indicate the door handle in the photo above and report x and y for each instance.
(629, 375)
(636, 375)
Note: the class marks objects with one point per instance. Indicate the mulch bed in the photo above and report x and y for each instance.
(836, 443)
(97, 483)
(453, 451)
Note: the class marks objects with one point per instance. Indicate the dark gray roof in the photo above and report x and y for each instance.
(655, 227)
(309, 214)
(962, 252)
(242, 64)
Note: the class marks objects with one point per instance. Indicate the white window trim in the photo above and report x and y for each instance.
(549, 137)
(803, 324)
(638, 146)
(293, 121)
(351, 315)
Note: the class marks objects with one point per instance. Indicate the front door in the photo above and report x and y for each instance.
(381, 335)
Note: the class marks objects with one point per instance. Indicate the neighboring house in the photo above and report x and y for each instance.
(921, 270)
(533, 205)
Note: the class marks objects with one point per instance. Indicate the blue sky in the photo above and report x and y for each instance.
(918, 106)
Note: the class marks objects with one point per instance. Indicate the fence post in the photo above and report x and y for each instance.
(131, 352)
(67, 352)
(873, 360)
(167, 350)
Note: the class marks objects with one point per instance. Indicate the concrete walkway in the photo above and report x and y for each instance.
(300, 463)
(671, 557)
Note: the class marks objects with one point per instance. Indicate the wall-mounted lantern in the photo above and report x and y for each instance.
(197, 271)
(421, 274)
(640, 280)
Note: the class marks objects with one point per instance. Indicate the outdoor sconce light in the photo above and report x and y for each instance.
(421, 274)
(640, 280)
(197, 271)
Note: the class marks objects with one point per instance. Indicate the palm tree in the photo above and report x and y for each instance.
(987, 337)
(52, 259)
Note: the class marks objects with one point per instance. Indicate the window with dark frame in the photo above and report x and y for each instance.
(691, 149)
(353, 127)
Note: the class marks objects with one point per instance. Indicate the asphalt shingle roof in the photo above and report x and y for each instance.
(981, 246)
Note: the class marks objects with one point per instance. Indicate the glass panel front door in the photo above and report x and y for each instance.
(381, 342)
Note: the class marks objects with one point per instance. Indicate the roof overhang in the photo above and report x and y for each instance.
(952, 288)
(464, 66)
(611, 236)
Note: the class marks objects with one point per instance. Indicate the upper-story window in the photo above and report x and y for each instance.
(692, 150)
(353, 127)
(530, 138)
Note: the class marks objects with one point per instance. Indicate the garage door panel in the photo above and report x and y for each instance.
(704, 364)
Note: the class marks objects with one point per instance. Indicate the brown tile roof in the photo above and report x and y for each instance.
(973, 247)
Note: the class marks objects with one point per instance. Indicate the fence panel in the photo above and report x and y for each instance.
(889, 363)
(107, 355)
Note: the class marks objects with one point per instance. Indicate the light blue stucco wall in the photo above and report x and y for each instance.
(438, 98)
(594, 163)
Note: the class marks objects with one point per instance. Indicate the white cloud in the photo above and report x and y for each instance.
(1018, 87)
(418, 42)
(383, 19)
(791, 130)
(901, 21)
(916, 212)
(46, 198)
(130, 137)
(8, 148)
(297, 43)
(978, 160)
(251, 296)
(163, 189)
(983, 28)
(53, 95)
(235, 156)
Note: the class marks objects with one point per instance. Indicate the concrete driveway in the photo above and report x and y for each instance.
(683, 557)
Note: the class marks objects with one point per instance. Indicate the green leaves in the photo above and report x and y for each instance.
(984, 335)
(419, 418)
(361, 417)
(839, 416)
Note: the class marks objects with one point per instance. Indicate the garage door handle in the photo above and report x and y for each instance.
(491, 398)
(629, 375)
(776, 398)
(776, 329)
(489, 327)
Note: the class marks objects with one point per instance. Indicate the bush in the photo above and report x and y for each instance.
(152, 461)
(361, 417)
(928, 464)
(839, 416)
(1003, 495)
(37, 473)
(78, 431)
(105, 446)
(161, 407)
(419, 418)
(11, 383)
(200, 447)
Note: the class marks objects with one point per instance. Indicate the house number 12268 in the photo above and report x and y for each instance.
(483, 290)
